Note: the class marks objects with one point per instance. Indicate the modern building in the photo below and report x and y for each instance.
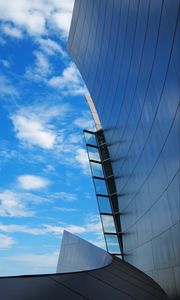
(128, 54)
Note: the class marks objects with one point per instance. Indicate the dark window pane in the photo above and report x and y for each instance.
(104, 205)
(100, 186)
(111, 185)
(100, 137)
(115, 203)
(117, 217)
(107, 168)
(108, 223)
(97, 169)
(112, 243)
(104, 152)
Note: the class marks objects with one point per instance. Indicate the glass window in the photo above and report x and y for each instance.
(97, 169)
(108, 223)
(90, 138)
(104, 205)
(112, 243)
(93, 153)
(100, 186)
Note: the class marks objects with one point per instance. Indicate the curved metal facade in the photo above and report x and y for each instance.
(128, 55)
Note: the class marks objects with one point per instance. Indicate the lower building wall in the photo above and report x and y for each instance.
(116, 281)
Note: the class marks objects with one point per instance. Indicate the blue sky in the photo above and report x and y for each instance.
(45, 181)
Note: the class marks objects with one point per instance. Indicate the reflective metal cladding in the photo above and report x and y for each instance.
(128, 55)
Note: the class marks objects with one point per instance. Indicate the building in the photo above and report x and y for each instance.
(128, 55)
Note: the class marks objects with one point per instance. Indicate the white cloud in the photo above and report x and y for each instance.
(12, 31)
(32, 132)
(35, 126)
(12, 205)
(31, 182)
(6, 241)
(38, 17)
(70, 81)
(62, 20)
(6, 88)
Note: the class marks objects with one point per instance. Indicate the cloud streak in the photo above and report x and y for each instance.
(6, 241)
(90, 226)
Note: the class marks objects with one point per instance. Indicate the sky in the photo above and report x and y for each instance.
(45, 180)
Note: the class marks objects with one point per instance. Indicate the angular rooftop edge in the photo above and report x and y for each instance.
(77, 254)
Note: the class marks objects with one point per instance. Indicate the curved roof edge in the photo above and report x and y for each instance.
(119, 280)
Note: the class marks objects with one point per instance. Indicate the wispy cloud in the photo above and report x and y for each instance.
(11, 205)
(66, 209)
(6, 241)
(68, 197)
(91, 225)
(13, 228)
(11, 31)
(41, 68)
(85, 123)
(7, 88)
(82, 158)
(36, 263)
(32, 182)
(50, 47)
(5, 63)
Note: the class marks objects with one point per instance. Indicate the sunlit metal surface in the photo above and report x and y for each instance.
(77, 254)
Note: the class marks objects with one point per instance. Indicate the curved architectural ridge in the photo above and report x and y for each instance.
(117, 280)
(77, 254)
